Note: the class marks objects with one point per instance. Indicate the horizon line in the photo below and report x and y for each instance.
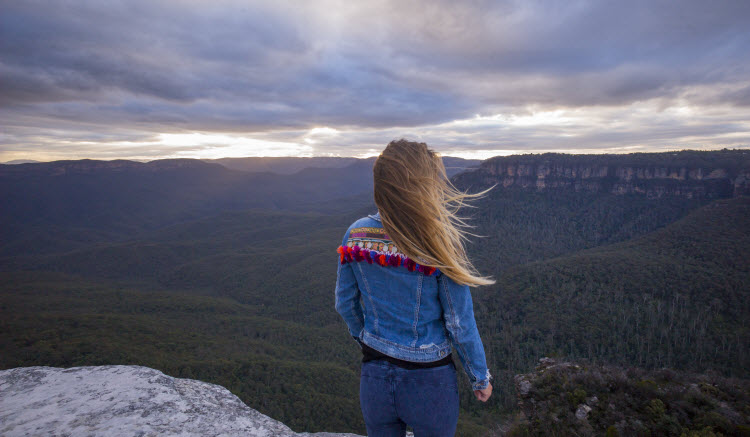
(607, 152)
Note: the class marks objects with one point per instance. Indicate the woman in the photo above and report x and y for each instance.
(408, 304)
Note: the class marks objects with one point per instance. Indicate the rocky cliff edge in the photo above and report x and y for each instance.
(125, 400)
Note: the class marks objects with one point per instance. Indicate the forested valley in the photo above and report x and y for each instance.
(212, 272)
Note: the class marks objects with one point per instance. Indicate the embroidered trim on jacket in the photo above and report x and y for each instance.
(385, 259)
(374, 246)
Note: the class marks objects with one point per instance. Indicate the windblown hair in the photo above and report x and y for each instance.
(418, 207)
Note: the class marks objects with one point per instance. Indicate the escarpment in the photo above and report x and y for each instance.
(689, 174)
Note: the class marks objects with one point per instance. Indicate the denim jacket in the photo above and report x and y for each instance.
(401, 308)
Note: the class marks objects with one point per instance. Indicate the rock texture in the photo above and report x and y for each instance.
(690, 174)
(125, 400)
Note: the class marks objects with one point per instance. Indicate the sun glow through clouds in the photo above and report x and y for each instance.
(315, 134)
(337, 78)
(212, 146)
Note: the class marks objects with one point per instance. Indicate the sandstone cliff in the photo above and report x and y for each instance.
(690, 174)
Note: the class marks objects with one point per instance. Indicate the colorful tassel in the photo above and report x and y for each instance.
(394, 261)
(356, 253)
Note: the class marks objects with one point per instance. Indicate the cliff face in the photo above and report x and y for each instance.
(688, 174)
(125, 400)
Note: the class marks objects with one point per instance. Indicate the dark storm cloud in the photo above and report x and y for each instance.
(149, 67)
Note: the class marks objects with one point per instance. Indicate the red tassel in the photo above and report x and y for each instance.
(393, 260)
(356, 253)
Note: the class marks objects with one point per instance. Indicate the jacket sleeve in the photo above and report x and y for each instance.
(458, 312)
(347, 298)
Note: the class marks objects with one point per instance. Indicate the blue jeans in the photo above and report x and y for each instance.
(392, 397)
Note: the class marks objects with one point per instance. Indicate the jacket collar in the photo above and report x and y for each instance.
(375, 216)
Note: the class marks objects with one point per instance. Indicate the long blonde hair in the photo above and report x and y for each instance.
(418, 207)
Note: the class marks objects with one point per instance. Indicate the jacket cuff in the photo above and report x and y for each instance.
(481, 385)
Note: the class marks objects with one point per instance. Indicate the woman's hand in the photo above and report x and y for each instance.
(484, 393)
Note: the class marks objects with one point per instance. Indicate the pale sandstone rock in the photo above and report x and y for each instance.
(125, 400)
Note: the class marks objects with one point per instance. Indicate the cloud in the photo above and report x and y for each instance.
(273, 71)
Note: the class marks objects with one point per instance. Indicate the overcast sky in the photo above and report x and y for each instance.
(155, 79)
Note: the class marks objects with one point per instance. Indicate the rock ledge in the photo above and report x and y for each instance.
(125, 400)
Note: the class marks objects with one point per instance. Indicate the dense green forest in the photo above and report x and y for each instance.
(521, 226)
(676, 297)
(240, 292)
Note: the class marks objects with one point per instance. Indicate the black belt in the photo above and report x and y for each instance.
(370, 354)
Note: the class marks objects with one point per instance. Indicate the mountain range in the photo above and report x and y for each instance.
(226, 274)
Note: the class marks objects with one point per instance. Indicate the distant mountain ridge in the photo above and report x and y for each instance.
(117, 193)
(281, 165)
(84, 166)
(689, 173)
(290, 165)
(19, 161)
(120, 197)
